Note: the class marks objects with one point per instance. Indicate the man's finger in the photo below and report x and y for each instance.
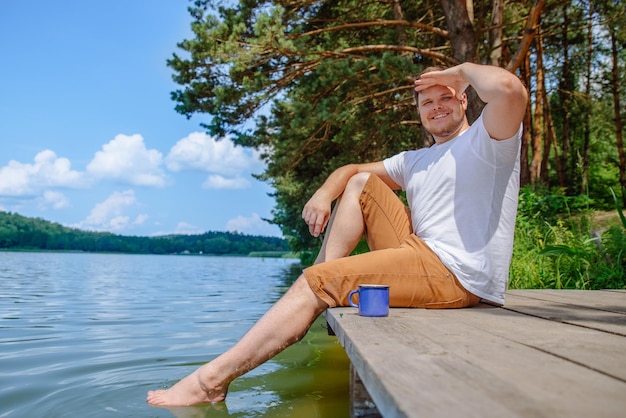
(319, 225)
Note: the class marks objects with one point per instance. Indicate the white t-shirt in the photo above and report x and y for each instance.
(463, 200)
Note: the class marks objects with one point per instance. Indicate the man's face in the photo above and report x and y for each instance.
(442, 114)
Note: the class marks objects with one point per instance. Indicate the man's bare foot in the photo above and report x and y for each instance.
(191, 390)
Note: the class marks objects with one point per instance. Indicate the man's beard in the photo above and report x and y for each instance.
(450, 128)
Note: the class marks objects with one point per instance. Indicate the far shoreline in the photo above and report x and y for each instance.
(253, 254)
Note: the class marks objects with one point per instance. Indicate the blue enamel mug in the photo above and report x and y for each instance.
(373, 299)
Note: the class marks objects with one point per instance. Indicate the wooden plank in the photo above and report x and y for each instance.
(447, 363)
(571, 308)
(602, 351)
(460, 379)
(605, 300)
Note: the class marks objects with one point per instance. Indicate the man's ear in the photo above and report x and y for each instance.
(464, 101)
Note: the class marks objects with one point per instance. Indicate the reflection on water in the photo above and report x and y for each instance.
(89, 334)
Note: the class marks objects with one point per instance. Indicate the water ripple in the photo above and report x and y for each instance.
(88, 334)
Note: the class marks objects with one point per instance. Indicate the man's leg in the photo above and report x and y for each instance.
(345, 227)
(398, 258)
(284, 324)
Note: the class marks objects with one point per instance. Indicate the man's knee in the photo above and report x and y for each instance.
(357, 182)
(303, 287)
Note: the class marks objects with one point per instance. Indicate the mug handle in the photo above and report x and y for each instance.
(354, 305)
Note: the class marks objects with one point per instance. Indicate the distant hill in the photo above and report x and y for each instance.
(18, 232)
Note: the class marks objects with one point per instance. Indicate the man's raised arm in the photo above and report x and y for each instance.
(504, 93)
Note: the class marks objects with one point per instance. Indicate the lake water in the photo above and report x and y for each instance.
(87, 335)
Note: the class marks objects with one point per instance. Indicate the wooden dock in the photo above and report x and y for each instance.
(546, 353)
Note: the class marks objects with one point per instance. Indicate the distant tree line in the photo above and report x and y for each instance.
(20, 232)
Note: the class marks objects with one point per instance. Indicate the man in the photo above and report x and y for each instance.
(452, 249)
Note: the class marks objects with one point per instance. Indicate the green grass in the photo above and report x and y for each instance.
(563, 244)
(273, 254)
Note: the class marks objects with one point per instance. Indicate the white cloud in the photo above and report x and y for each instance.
(47, 170)
(183, 228)
(253, 225)
(109, 214)
(127, 160)
(215, 181)
(117, 223)
(53, 199)
(141, 219)
(222, 158)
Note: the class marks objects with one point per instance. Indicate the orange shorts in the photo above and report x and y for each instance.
(398, 258)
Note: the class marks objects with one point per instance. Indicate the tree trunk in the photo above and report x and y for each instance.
(564, 92)
(495, 33)
(618, 117)
(537, 140)
(469, 4)
(546, 127)
(587, 134)
(525, 72)
(551, 140)
(549, 134)
(528, 35)
(460, 30)
(398, 15)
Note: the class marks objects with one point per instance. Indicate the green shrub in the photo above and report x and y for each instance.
(555, 245)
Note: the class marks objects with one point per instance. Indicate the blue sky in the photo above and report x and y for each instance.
(89, 137)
